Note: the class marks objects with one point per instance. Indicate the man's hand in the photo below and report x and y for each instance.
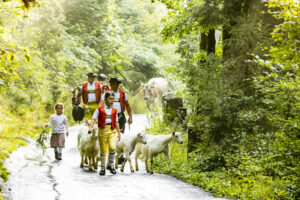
(90, 130)
(119, 137)
(130, 120)
(67, 134)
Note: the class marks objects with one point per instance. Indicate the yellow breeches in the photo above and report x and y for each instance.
(107, 139)
(92, 107)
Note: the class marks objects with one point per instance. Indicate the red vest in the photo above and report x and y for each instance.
(102, 117)
(85, 92)
(122, 100)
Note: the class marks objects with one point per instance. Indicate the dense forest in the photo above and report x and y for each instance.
(235, 63)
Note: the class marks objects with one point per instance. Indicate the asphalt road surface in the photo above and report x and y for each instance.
(35, 176)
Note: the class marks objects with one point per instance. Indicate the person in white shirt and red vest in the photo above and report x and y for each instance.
(108, 126)
(91, 95)
(121, 104)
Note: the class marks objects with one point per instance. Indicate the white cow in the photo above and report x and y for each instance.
(154, 90)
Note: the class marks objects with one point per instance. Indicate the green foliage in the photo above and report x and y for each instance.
(244, 99)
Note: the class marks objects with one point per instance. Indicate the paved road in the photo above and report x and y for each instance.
(35, 176)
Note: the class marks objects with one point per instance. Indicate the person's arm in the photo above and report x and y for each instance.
(128, 108)
(50, 122)
(91, 125)
(95, 116)
(118, 131)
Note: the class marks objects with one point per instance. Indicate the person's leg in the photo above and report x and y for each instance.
(112, 150)
(55, 152)
(122, 122)
(103, 150)
(59, 156)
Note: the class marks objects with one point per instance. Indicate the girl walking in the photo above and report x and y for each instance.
(59, 125)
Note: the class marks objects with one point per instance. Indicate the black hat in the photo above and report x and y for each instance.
(102, 77)
(92, 74)
(114, 80)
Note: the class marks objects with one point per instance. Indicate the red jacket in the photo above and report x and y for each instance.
(102, 117)
(85, 92)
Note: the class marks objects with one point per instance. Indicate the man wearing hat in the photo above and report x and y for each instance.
(121, 103)
(104, 86)
(91, 95)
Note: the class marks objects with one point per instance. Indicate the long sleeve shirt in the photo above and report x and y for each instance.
(59, 123)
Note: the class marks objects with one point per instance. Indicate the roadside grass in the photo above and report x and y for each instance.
(246, 180)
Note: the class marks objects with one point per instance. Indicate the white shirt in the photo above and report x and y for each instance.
(91, 96)
(117, 104)
(108, 114)
(58, 123)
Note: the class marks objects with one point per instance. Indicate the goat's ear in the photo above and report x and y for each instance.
(173, 133)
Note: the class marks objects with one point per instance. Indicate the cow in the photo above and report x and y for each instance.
(154, 90)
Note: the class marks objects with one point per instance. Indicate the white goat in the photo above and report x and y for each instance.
(156, 144)
(127, 145)
(88, 145)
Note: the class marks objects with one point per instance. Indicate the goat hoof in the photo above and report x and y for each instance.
(151, 173)
(136, 169)
(81, 166)
(116, 167)
(132, 170)
(121, 170)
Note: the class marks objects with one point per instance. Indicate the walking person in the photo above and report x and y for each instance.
(59, 124)
(91, 95)
(108, 126)
(121, 104)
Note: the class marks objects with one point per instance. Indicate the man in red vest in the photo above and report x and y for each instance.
(120, 103)
(91, 95)
(108, 125)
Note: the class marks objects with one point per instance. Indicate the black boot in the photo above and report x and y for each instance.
(111, 169)
(102, 172)
(56, 155)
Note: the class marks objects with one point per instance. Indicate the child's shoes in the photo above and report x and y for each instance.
(59, 156)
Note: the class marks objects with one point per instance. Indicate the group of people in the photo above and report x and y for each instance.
(104, 103)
